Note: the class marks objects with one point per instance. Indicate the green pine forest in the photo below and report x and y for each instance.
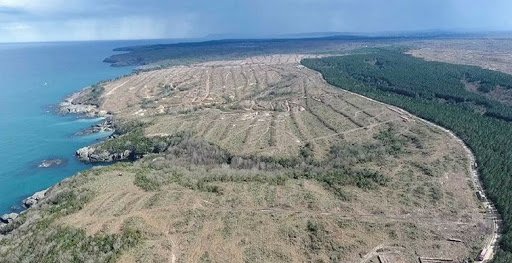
(439, 93)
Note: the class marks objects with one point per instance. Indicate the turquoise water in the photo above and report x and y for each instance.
(32, 78)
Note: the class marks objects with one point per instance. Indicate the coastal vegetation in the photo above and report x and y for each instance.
(439, 93)
(37, 235)
(340, 168)
(91, 96)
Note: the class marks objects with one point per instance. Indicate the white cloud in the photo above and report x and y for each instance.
(36, 5)
(54, 20)
(128, 27)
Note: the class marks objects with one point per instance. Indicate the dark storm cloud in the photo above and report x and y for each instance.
(28, 20)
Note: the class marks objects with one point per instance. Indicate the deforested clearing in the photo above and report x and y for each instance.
(263, 161)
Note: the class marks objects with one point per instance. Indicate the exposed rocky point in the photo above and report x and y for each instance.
(105, 126)
(70, 106)
(8, 218)
(91, 154)
(75, 104)
(34, 199)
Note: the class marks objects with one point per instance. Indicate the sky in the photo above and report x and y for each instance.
(70, 20)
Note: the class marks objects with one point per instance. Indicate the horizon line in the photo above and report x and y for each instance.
(236, 36)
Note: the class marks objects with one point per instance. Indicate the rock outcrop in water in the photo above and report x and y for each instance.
(91, 154)
(51, 163)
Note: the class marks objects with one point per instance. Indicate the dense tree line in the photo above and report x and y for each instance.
(189, 52)
(436, 92)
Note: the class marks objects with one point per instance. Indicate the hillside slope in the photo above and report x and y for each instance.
(256, 160)
(439, 92)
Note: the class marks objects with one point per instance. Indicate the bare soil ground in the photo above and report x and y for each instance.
(272, 106)
(491, 54)
(262, 105)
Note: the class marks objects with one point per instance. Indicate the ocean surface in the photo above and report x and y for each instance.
(33, 78)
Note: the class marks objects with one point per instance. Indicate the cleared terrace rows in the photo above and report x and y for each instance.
(274, 106)
(269, 105)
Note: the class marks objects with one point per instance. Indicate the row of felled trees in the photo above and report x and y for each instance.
(435, 91)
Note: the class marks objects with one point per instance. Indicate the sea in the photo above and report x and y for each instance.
(34, 78)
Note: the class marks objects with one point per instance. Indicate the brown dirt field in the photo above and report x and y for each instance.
(272, 106)
(264, 105)
(491, 54)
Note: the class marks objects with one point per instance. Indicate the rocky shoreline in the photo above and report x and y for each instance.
(106, 125)
(28, 202)
(91, 154)
(71, 106)
(74, 104)
(68, 106)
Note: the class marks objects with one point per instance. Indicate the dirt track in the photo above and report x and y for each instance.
(492, 242)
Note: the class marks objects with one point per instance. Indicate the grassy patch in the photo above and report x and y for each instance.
(66, 244)
(145, 183)
(39, 239)
(91, 96)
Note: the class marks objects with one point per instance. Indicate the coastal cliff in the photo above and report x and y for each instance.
(85, 102)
